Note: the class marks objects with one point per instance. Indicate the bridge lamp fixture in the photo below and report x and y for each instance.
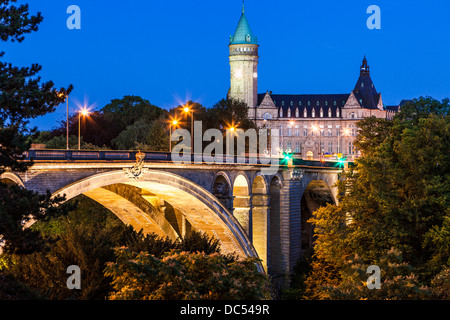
(188, 110)
(82, 112)
(62, 95)
(172, 123)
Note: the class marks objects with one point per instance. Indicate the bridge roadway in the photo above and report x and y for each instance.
(252, 214)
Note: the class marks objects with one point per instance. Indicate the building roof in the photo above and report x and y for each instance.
(243, 33)
(365, 90)
(308, 101)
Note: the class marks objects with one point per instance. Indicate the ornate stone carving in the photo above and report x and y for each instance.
(136, 171)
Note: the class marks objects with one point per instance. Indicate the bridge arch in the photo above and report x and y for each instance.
(317, 194)
(241, 201)
(204, 212)
(9, 177)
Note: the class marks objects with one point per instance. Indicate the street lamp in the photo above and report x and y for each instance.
(83, 112)
(191, 111)
(67, 116)
(173, 122)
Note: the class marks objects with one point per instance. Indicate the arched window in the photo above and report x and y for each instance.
(281, 113)
(309, 155)
(296, 113)
(289, 113)
(267, 116)
(305, 113)
(338, 113)
(321, 112)
(329, 112)
(313, 113)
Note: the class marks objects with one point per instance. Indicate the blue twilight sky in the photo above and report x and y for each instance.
(171, 51)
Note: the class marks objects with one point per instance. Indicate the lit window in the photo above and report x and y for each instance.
(313, 113)
(338, 113)
(281, 113)
(321, 112)
(329, 112)
(305, 113)
(296, 113)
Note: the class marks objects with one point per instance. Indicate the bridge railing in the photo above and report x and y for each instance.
(130, 155)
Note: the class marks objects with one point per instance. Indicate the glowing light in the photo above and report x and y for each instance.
(315, 128)
(238, 73)
(346, 132)
(186, 109)
(84, 112)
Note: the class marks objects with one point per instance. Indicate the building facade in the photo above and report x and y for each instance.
(311, 126)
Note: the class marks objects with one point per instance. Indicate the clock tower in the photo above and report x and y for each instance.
(244, 65)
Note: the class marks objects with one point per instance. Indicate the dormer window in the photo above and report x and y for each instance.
(313, 113)
(248, 38)
(317, 103)
(362, 84)
(299, 103)
(321, 112)
(296, 113)
(281, 113)
(305, 113)
(334, 103)
(338, 113)
(326, 103)
(282, 103)
(292, 103)
(309, 103)
(329, 112)
(289, 113)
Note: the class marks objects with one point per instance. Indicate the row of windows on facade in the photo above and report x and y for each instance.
(309, 103)
(329, 148)
(243, 49)
(268, 116)
(352, 130)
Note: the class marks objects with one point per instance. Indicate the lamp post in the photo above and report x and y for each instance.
(67, 116)
(187, 110)
(83, 112)
(172, 123)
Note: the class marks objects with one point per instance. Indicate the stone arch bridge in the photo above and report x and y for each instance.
(250, 213)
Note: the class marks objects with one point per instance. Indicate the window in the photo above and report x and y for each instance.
(309, 103)
(267, 116)
(313, 113)
(297, 132)
(330, 147)
(309, 155)
(289, 113)
(321, 112)
(297, 147)
(329, 133)
(296, 113)
(329, 112)
(326, 103)
(289, 132)
(305, 131)
(350, 148)
(305, 113)
(292, 103)
(334, 103)
(281, 113)
(338, 113)
(352, 115)
(338, 130)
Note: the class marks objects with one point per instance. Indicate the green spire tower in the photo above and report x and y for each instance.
(244, 64)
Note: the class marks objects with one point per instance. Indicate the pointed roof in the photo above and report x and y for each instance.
(243, 33)
(365, 90)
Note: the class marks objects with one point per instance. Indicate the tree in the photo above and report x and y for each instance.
(184, 276)
(397, 198)
(22, 97)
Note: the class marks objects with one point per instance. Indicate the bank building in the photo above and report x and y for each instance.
(311, 126)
